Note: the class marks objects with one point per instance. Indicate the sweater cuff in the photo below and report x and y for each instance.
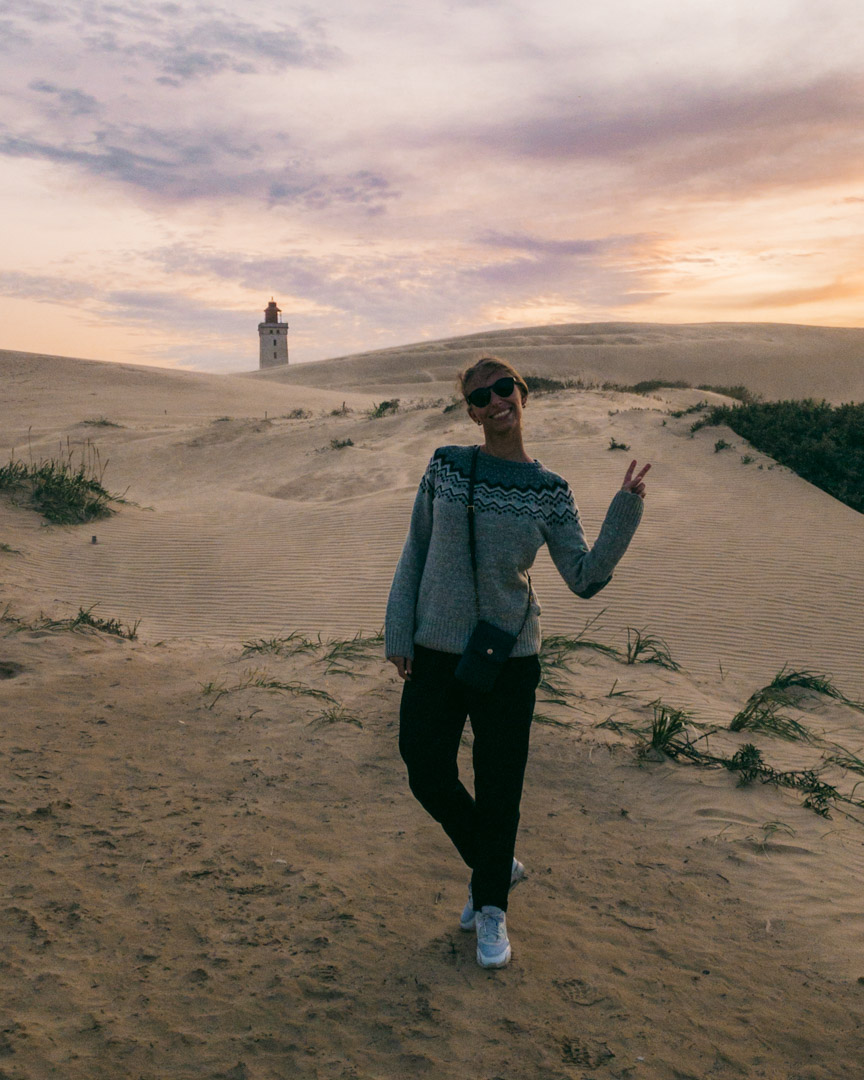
(625, 511)
(398, 644)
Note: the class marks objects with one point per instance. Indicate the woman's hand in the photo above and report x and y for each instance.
(403, 665)
(635, 483)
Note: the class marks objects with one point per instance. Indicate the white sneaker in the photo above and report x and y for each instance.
(466, 920)
(493, 945)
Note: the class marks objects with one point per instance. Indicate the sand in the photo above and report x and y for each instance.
(206, 878)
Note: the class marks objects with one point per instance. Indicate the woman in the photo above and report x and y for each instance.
(435, 603)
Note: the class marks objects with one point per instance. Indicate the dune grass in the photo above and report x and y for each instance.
(336, 714)
(668, 726)
(294, 643)
(668, 734)
(384, 408)
(761, 714)
(83, 618)
(342, 653)
(644, 648)
(63, 492)
(259, 679)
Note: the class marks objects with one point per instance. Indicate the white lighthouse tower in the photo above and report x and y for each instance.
(273, 337)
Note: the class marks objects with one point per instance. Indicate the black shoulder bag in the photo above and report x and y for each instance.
(489, 645)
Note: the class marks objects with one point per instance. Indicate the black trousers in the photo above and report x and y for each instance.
(432, 718)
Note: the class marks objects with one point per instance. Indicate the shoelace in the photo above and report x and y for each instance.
(492, 927)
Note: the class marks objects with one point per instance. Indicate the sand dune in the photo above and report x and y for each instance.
(204, 878)
(776, 360)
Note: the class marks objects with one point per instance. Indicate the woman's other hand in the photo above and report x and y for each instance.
(403, 666)
(635, 483)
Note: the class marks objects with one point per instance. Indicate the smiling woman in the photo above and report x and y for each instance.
(462, 629)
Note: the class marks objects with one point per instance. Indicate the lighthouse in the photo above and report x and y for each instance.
(273, 338)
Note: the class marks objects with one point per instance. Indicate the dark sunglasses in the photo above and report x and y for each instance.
(481, 397)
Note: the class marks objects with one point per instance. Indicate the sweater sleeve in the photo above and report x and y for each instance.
(587, 570)
(402, 602)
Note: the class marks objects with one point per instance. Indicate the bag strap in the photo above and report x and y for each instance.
(472, 543)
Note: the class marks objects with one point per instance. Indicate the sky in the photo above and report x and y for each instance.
(393, 173)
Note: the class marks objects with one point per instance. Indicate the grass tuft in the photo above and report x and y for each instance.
(345, 651)
(258, 679)
(384, 408)
(85, 617)
(100, 421)
(337, 714)
(645, 648)
(63, 492)
(761, 714)
(667, 727)
(284, 646)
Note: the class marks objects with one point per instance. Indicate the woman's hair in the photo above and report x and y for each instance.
(491, 363)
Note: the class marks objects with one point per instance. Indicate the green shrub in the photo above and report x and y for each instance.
(61, 491)
(385, 408)
(738, 391)
(822, 443)
(648, 386)
(540, 384)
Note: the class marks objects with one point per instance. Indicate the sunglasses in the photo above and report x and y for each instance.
(481, 397)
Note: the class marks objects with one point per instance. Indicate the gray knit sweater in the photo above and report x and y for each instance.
(519, 506)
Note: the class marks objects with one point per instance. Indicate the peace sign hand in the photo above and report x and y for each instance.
(635, 483)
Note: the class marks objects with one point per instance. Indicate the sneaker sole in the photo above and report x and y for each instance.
(500, 963)
(469, 926)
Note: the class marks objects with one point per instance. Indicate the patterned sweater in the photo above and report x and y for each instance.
(519, 506)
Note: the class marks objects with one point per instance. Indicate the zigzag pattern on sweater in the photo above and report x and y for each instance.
(540, 493)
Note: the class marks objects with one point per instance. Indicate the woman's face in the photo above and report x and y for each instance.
(502, 413)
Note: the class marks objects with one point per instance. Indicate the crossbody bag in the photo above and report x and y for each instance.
(489, 646)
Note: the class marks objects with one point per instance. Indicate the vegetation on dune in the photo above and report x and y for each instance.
(822, 443)
(542, 384)
(63, 492)
(674, 733)
(83, 619)
(384, 408)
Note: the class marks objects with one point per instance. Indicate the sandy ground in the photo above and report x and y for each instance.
(204, 876)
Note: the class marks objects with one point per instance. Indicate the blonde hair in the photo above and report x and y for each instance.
(491, 363)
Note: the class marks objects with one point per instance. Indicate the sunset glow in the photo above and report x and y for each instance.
(392, 174)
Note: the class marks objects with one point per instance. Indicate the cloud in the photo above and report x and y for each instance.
(70, 101)
(394, 289)
(188, 165)
(685, 133)
(836, 290)
(44, 287)
(214, 41)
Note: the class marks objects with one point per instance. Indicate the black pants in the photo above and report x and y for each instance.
(432, 718)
